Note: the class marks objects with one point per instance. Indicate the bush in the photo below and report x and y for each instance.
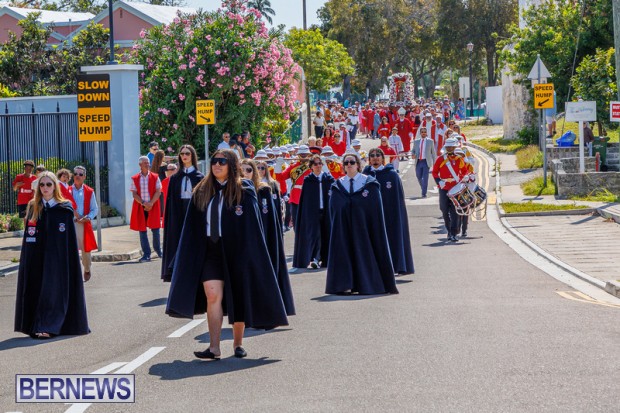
(10, 223)
(528, 135)
(529, 157)
(108, 212)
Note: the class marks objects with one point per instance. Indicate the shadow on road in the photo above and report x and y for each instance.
(178, 369)
(249, 332)
(403, 281)
(155, 303)
(352, 297)
(22, 342)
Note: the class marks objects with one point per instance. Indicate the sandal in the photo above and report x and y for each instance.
(42, 336)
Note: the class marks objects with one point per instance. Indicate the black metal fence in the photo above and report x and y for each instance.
(49, 139)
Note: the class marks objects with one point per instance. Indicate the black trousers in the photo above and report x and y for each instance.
(450, 217)
(464, 223)
(294, 208)
(287, 214)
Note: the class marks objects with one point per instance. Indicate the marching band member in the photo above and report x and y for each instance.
(448, 171)
(296, 172)
(331, 163)
(358, 261)
(393, 200)
(357, 146)
(313, 224)
(472, 177)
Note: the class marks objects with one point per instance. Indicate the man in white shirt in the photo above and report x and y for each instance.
(225, 141)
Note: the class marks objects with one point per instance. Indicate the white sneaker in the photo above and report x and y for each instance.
(314, 264)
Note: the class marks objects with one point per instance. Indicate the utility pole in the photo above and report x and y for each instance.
(308, 109)
(616, 13)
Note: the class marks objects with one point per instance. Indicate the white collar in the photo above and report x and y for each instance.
(52, 202)
(377, 169)
(190, 169)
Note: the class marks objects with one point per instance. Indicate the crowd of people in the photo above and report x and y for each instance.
(334, 196)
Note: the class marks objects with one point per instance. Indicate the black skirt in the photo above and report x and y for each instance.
(213, 265)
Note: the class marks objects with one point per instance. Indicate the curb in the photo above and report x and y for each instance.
(104, 256)
(605, 286)
(12, 234)
(583, 211)
(9, 269)
(608, 215)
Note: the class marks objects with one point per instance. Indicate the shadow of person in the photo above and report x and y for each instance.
(155, 303)
(179, 369)
(403, 281)
(22, 342)
(352, 297)
(248, 333)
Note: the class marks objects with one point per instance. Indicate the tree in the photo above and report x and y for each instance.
(227, 56)
(325, 62)
(264, 7)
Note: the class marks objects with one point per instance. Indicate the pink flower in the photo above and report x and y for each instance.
(181, 97)
(169, 149)
(164, 140)
(208, 37)
(175, 126)
(195, 50)
(217, 52)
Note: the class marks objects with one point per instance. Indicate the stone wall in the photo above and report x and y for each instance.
(576, 184)
(514, 100)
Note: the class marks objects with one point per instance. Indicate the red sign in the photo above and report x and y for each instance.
(614, 111)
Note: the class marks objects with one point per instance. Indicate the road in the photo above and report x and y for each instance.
(476, 329)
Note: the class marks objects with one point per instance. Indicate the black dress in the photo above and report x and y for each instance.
(251, 291)
(50, 291)
(359, 253)
(174, 218)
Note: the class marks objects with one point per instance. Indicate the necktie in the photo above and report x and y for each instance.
(215, 217)
(351, 186)
(422, 148)
(47, 205)
(186, 177)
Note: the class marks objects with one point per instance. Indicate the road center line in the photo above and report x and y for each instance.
(187, 327)
(140, 360)
(81, 407)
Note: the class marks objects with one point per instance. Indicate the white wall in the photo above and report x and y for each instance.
(495, 110)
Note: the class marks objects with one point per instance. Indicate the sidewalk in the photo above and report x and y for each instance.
(118, 244)
(583, 241)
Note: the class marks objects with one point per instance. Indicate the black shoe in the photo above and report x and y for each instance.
(240, 352)
(453, 238)
(464, 234)
(207, 354)
(145, 259)
(159, 254)
(314, 264)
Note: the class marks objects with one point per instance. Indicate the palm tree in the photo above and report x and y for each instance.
(263, 6)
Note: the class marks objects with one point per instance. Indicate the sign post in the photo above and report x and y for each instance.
(581, 112)
(538, 75)
(95, 123)
(205, 115)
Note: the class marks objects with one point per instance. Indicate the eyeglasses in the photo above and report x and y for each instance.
(317, 163)
(374, 155)
(47, 184)
(261, 168)
(185, 153)
(78, 174)
(350, 162)
(219, 161)
(248, 170)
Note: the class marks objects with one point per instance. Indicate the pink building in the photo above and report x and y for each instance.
(63, 23)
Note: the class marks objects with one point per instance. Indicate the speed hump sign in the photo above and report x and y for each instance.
(543, 96)
(205, 112)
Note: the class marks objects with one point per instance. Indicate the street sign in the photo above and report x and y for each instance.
(581, 111)
(543, 96)
(614, 111)
(205, 112)
(539, 70)
(94, 109)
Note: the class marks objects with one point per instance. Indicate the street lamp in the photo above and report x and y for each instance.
(470, 49)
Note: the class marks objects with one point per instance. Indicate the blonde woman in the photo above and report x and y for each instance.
(50, 291)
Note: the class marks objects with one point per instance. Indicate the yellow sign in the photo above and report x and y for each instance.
(94, 111)
(205, 112)
(543, 96)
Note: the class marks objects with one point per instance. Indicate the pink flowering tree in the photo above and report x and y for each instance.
(225, 55)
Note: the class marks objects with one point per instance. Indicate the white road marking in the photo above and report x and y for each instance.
(81, 407)
(110, 367)
(187, 327)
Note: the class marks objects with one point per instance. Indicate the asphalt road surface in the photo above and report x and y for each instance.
(476, 329)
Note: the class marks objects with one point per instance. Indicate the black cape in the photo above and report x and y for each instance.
(312, 237)
(397, 226)
(251, 290)
(50, 291)
(174, 217)
(275, 244)
(359, 253)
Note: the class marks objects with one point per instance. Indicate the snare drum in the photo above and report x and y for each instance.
(479, 193)
(462, 198)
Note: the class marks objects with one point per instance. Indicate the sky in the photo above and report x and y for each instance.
(288, 12)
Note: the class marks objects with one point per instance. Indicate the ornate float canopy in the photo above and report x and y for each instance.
(401, 89)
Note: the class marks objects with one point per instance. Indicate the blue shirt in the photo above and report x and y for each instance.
(78, 197)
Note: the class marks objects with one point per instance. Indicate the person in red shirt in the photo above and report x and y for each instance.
(449, 170)
(339, 146)
(22, 184)
(384, 128)
(64, 176)
(146, 212)
(405, 131)
(388, 151)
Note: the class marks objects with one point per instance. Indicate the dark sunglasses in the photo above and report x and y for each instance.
(248, 170)
(261, 168)
(219, 161)
(350, 163)
(185, 153)
(47, 184)
(374, 155)
(78, 174)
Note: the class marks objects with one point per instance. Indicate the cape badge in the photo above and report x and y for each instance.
(32, 231)
(388, 185)
(61, 227)
(265, 209)
(365, 193)
(274, 196)
(239, 210)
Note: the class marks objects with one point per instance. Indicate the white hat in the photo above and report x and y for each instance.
(276, 151)
(267, 151)
(459, 137)
(289, 146)
(459, 151)
(356, 142)
(428, 115)
(260, 155)
(327, 150)
(284, 149)
(402, 111)
(451, 142)
(303, 150)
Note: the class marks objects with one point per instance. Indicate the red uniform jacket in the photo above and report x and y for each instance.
(90, 243)
(296, 173)
(442, 172)
(389, 152)
(339, 149)
(67, 194)
(137, 222)
(163, 197)
(384, 130)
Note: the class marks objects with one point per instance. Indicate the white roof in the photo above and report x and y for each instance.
(161, 14)
(48, 16)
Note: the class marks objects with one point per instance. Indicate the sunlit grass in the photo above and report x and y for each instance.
(515, 207)
(499, 145)
(599, 195)
(529, 157)
(562, 127)
(534, 187)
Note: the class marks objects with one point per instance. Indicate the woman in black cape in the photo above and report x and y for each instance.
(359, 253)
(222, 263)
(50, 292)
(177, 200)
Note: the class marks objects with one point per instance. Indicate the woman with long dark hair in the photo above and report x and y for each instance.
(50, 291)
(178, 196)
(222, 254)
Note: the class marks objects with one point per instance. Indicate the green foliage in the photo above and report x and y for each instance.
(264, 7)
(108, 211)
(516, 207)
(595, 79)
(528, 135)
(325, 62)
(535, 187)
(499, 145)
(529, 157)
(10, 223)
(225, 56)
(599, 195)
